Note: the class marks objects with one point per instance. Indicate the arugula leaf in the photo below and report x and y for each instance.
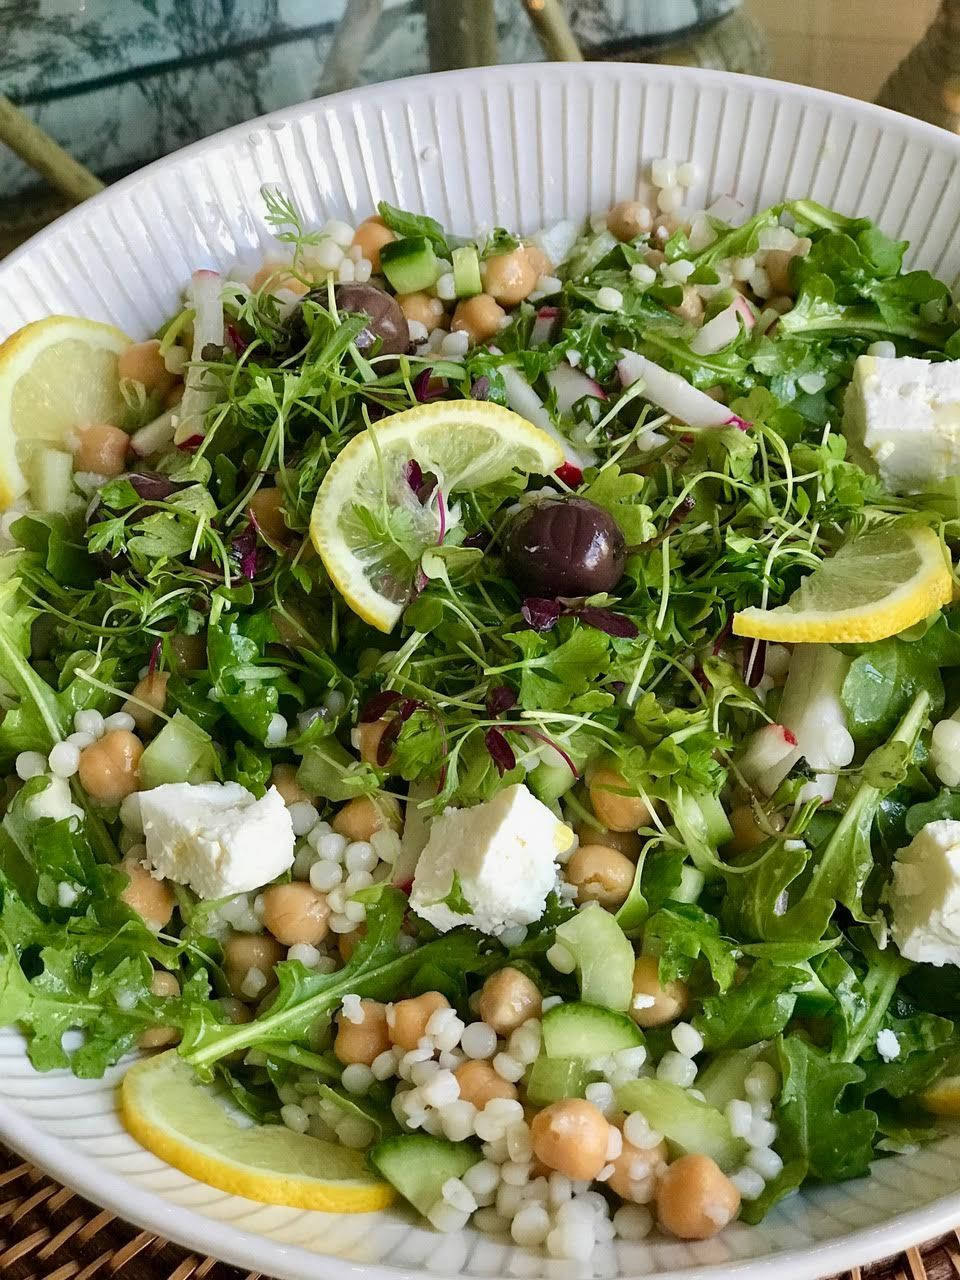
(818, 1129)
(758, 1008)
(681, 933)
(618, 493)
(414, 224)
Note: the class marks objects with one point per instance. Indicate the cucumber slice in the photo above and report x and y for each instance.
(409, 264)
(587, 1031)
(723, 1078)
(181, 752)
(466, 271)
(691, 885)
(689, 1125)
(50, 473)
(551, 1079)
(603, 954)
(549, 782)
(418, 1165)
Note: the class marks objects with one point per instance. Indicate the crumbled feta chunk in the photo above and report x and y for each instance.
(924, 895)
(216, 837)
(504, 853)
(888, 1046)
(905, 412)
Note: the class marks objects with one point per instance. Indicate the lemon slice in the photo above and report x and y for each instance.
(368, 524)
(943, 1097)
(189, 1126)
(55, 375)
(874, 587)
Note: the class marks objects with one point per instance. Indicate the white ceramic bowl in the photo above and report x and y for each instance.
(516, 146)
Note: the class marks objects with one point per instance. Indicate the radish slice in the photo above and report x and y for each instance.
(723, 329)
(769, 756)
(572, 385)
(199, 394)
(522, 399)
(154, 435)
(673, 394)
(544, 325)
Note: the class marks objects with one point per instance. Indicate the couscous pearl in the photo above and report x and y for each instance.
(386, 845)
(766, 1162)
(571, 1240)
(355, 912)
(357, 1078)
(632, 1222)
(509, 1199)
(482, 1178)
(30, 764)
(422, 1073)
(642, 274)
(749, 1183)
(559, 1189)
(669, 199)
(531, 1225)
(551, 1002)
(739, 1117)
(359, 856)
(303, 817)
(253, 983)
(305, 953)
(325, 875)
(762, 1082)
(119, 720)
(561, 958)
(441, 1089)
(445, 1218)
(356, 881)
(479, 1040)
(687, 174)
(663, 172)
(455, 1192)
(295, 1118)
(66, 897)
(602, 1097)
(82, 741)
(884, 349)
(520, 1142)
(356, 1133)
(276, 730)
(457, 1118)
(762, 1133)
(89, 722)
(637, 1131)
(525, 1042)
(384, 1065)
(508, 1068)
(446, 287)
(677, 1069)
(687, 1040)
(490, 1222)
(515, 1173)
(609, 299)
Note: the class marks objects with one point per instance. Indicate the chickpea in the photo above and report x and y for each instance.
(101, 449)
(407, 1019)
(153, 900)
(625, 842)
(295, 913)
(266, 507)
(624, 1182)
(571, 1136)
(245, 951)
(617, 811)
(423, 308)
(538, 260)
(190, 652)
(273, 276)
(690, 309)
(166, 986)
(142, 362)
(361, 818)
(478, 317)
(695, 1200)
(371, 236)
(109, 768)
(284, 778)
(777, 266)
(601, 875)
(747, 833)
(509, 277)
(366, 738)
(629, 219)
(479, 1083)
(234, 1010)
(669, 1001)
(347, 942)
(507, 999)
(362, 1041)
(655, 258)
(152, 689)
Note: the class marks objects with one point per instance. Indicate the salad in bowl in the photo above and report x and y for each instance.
(486, 710)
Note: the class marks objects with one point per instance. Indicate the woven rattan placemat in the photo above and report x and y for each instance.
(47, 1232)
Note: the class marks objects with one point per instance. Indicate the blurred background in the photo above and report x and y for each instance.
(121, 82)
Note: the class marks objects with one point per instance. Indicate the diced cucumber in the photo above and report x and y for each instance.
(181, 752)
(549, 782)
(588, 254)
(704, 811)
(579, 1030)
(690, 886)
(323, 769)
(50, 472)
(603, 955)
(409, 264)
(689, 1125)
(723, 1078)
(418, 1165)
(551, 1079)
(466, 271)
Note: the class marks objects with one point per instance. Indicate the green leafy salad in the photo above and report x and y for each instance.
(492, 707)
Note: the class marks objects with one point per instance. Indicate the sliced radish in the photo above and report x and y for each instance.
(522, 399)
(572, 385)
(154, 435)
(672, 393)
(544, 325)
(723, 329)
(208, 327)
(769, 756)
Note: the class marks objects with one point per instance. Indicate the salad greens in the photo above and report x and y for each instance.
(767, 904)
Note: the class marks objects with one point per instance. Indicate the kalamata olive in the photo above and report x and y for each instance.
(387, 321)
(564, 547)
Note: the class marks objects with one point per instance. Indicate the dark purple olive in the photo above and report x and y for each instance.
(387, 321)
(564, 547)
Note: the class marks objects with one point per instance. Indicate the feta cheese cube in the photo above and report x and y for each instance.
(924, 895)
(905, 413)
(504, 853)
(216, 837)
